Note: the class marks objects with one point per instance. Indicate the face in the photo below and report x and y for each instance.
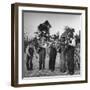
(43, 40)
(62, 39)
(71, 34)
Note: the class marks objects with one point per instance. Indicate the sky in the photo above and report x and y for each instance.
(57, 21)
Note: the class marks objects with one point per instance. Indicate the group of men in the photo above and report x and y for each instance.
(66, 50)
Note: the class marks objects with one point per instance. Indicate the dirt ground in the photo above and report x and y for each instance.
(46, 72)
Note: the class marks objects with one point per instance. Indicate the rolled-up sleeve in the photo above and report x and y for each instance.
(72, 43)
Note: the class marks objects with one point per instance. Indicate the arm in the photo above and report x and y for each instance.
(27, 52)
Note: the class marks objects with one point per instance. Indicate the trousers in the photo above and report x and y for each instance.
(42, 55)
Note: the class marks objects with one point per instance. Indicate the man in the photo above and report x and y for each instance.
(70, 55)
(42, 54)
(52, 57)
(63, 66)
(29, 57)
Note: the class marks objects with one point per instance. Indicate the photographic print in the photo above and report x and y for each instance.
(51, 44)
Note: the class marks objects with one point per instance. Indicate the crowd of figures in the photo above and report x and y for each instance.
(44, 44)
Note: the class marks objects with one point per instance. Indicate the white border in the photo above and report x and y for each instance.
(54, 78)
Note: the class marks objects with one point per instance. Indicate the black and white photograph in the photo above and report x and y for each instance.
(50, 44)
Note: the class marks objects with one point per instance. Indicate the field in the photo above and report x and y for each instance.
(46, 72)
